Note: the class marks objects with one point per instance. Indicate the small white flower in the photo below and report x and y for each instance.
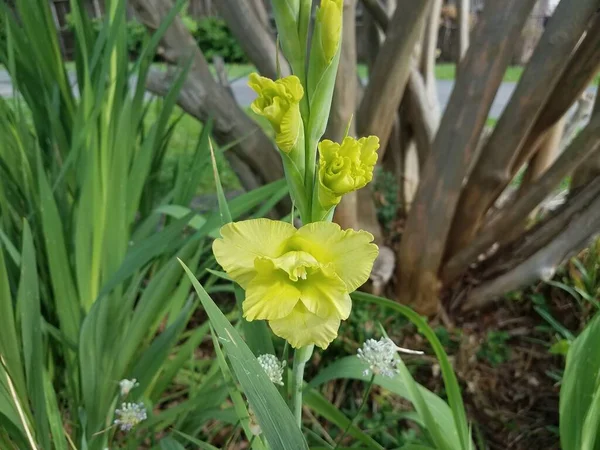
(382, 356)
(272, 367)
(127, 385)
(129, 415)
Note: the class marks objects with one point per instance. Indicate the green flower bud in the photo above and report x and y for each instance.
(329, 16)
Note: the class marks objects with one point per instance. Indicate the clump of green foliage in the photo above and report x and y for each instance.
(215, 39)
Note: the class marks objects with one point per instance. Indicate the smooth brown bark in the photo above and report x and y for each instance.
(463, 10)
(254, 38)
(428, 224)
(391, 71)
(543, 249)
(427, 67)
(494, 169)
(583, 65)
(253, 157)
(422, 113)
(591, 169)
(585, 146)
(545, 155)
(377, 12)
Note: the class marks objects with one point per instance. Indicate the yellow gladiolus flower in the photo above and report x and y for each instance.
(297, 279)
(329, 16)
(345, 168)
(278, 101)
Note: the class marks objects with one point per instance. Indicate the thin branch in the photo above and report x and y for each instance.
(493, 170)
(390, 73)
(427, 227)
(565, 234)
(378, 13)
(583, 66)
(421, 114)
(429, 51)
(586, 145)
(591, 169)
(464, 26)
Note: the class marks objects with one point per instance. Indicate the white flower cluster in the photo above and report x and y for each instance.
(129, 415)
(382, 356)
(127, 385)
(272, 367)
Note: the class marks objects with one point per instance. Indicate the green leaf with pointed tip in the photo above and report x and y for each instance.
(273, 415)
(256, 333)
(579, 419)
(353, 368)
(28, 304)
(314, 400)
(450, 382)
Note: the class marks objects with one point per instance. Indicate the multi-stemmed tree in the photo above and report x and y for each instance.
(454, 224)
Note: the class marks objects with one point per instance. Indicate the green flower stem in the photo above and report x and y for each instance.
(301, 357)
(358, 413)
(311, 168)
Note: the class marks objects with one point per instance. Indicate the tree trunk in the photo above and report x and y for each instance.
(493, 170)
(543, 249)
(254, 38)
(253, 157)
(545, 156)
(583, 65)
(591, 169)
(464, 26)
(586, 146)
(428, 60)
(391, 71)
(424, 238)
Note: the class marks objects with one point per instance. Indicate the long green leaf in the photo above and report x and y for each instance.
(256, 333)
(450, 382)
(9, 340)
(314, 400)
(353, 368)
(273, 415)
(579, 391)
(28, 302)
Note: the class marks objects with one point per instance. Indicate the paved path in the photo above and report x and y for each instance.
(245, 95)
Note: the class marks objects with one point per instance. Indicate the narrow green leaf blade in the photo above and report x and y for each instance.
(273, 415)
(580, 386)
(28, 301)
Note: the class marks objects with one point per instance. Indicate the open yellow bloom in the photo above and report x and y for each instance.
(329, 16)
(278, 101)
(345, 168)
(297, 279)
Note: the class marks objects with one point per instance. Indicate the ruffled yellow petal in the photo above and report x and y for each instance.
(323, 293)
(295, 264)
(270, 295)
(289, 129)
(243, 242)
(351, 253)
(301, 328)
(278, 101)
(292, 88)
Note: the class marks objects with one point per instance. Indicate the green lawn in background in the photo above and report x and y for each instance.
(445, 71)
(442, 71)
